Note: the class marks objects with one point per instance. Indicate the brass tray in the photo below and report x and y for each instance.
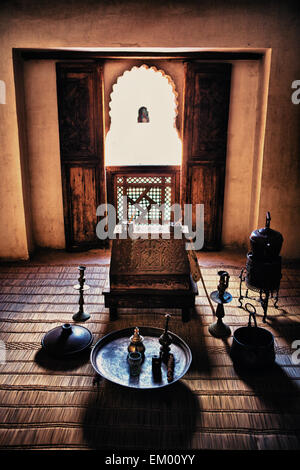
(109, 358)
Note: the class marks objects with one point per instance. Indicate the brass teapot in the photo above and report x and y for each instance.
(136, 342)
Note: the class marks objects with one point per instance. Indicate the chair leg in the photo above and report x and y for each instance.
(113, 313)
(185, 314)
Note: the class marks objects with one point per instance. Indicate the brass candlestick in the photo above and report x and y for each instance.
(81, 315)
(165, 340)
(220, 329)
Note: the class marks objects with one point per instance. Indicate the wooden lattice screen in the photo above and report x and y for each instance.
(146, 189)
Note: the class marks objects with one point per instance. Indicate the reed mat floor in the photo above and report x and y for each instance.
(53, 404)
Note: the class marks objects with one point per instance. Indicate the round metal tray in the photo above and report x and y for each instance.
(109, 358)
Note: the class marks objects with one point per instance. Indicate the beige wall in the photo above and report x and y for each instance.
(269, 24)
(244, 112)
(43, 154)
(13, 236)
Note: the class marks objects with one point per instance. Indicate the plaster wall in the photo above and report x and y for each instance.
(44, 173)
(244, 112)
(205, 24)
(13, 236)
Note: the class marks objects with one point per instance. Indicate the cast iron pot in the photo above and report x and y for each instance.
(263, 274)
(252, 347)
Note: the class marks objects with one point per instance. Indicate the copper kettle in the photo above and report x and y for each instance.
(265, 242)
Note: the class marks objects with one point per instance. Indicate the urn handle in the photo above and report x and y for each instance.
(252, 314)
(268, 219)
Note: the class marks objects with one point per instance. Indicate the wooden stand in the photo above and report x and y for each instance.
(147, 298)
(150, 273)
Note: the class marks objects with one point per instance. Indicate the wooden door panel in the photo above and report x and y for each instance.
(209, 124)
(206, 187)
(83, 182)
(79, 91)
(77, 116)
(206, 109)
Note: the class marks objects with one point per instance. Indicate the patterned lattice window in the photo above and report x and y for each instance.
(145, 196)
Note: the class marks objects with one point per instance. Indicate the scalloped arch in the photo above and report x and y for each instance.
(118, 87)
(129, 142)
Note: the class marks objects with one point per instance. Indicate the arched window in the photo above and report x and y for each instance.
(143, 110)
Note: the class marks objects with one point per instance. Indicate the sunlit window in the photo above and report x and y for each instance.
(143, 111)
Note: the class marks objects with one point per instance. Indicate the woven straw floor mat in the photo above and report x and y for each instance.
(51, 404)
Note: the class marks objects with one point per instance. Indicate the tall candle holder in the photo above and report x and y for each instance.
(220, 329)
(81, 316)
(165, 340)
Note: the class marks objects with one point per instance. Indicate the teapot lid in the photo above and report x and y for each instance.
(136, 337)
(266, 232)
(67, 339)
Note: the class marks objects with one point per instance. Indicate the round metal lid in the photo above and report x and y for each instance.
(267, 235)
(67, 339)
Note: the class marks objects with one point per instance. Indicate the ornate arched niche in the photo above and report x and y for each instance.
(143, 109)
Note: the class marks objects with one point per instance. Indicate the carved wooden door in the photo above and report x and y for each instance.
(79, 89)
(206, 107)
